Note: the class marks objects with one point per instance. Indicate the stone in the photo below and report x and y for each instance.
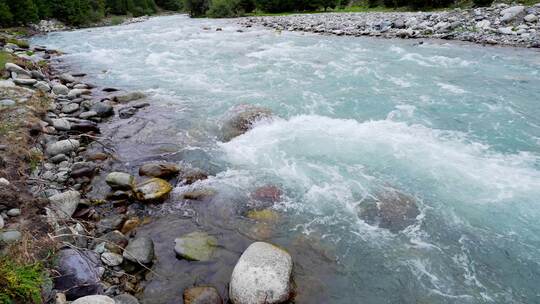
(60, 89)
(109, 223)
(58, 158)
(267, 193)
(162, 170)
(241, 119)
(64, 204)
(103, 109)
(10, 236)
(74, 93)
(202, 295)
(12, 67)
(125, 298)
(127, 112)
(78, 273)
(484, 24)
(65, 146)
(2, 223)
(120, 180)
(265, 215)
(195, 246)
(94, 299)
(131, 96)
(511, 13)
(154, 189)
(115, 241)
(506, 31)
(112, 259)
(70, 108)
(391, 210)
(14, 212)
(87, 114)
(261, 276)
(37, 74)
(140, 250)
(67, 78)
(193, 176)
(4, 181)
(42, 86)
(80, 169)
(130, 225)
(61, 124)
(530, 18)
(7, 102)
(27, 82)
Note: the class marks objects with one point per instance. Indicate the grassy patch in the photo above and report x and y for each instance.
(4, 58)
(18, 42)
(20, 283)
(117, 20)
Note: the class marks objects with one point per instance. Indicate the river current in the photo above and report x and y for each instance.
(456, 127)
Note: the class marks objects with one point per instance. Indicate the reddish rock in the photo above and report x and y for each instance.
(268, 193)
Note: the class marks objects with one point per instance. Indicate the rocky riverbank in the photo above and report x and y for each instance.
(499, 24)
(72, 203)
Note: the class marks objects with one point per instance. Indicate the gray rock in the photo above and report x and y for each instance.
(42, 86)
(61, 124)
(58, 158)
(60, 89)
(11, 236)
(2, 224)
(78, 273)
(506, 31)
(140, 250)
(262, 275)
(120, 180)
(129, 97)
(241, 118)
(14, 212)
(65, 204)
(11, 67)
(125, 298)
(195, 246)
(88, 114)
(67, 78)
(27, 82)
(37, 75)
(112, 259)
(511, 13)
(103, 109)
(65, 146)
(530, 18)
(201, 295)
(162, 170)
(95, 299)
(7, 102)
(70, 108)
(76, 93)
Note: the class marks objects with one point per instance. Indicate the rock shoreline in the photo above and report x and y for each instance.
(500, 24)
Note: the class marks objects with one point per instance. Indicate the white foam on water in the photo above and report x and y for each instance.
(451, 88)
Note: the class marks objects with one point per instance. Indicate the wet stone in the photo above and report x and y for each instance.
(162, 170)
(140, 250)
(195, 246)
(202, 295)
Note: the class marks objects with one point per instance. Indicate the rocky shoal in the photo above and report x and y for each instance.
(500, 24)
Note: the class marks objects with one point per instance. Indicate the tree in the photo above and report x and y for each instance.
(171, 5)
(23, 11)
(6, 17)
(196, 8)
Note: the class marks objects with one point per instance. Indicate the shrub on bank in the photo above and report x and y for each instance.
(196, 8)
(20, 283)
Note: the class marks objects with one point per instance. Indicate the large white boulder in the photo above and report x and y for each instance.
(262, 275)
(95, 299)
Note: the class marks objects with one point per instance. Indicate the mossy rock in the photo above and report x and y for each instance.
(154, 189)
(196, 246)
(265, 215)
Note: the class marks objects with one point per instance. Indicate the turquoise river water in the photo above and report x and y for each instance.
(457, 127)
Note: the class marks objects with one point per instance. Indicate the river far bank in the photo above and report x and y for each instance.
(500, 24)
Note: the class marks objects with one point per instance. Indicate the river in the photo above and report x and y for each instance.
(455, 126)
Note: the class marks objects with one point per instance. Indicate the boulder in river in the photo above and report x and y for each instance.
(201, 295)
(128, 97)
(195, 246)
(120, 180)
(162, 170)
(262, 275)
(94, 299)
(140, 250)
(241, 119)
(392, 210)
(78, 273)
(154, 189)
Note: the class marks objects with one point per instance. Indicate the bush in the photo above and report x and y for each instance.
(482, 2)
(171, 5)
(225, 9)
(24, 11)
(274, 6)
(6, 17)
(196, 8)
(20, 283)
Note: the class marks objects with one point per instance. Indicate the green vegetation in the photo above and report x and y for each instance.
(20, 283)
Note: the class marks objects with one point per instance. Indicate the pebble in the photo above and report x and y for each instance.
(112, 259)
(14, 212)
(11, 236)
(70, 108)
(140, 250)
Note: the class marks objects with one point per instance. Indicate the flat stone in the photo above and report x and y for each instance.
(12, 67)
(154, 189)
(70, 108)
(201, 295)
(27, 82)
(62, 147)
(120, 180)
(125, 298)
(261, 276)
(131, 96)
(11, 236)
(195, 246)
(14, 212)
(60, 89)
(112, 259)
(140, 250)
(42, 86)
(511, 13)
(103, 109)
(65, 204)
(530, 18)
(67, 78)
(7, 102)
(94, 299)
(88, 114)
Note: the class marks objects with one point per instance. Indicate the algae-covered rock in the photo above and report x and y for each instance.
(265, 215)
(154, 189)
(196, 246)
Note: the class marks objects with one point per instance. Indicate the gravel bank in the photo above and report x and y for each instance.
(499, 24)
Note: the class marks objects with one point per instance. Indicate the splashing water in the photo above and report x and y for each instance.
(455, 126)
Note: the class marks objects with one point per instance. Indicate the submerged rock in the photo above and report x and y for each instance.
(392, 210)
(78, 273)
(195, 246)
(154, 189)
(268, 193)
(202, 295)
(140, 250)
(128, 97)
(265, 215)
(241, 119)
(162, 170)
(262, 275)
